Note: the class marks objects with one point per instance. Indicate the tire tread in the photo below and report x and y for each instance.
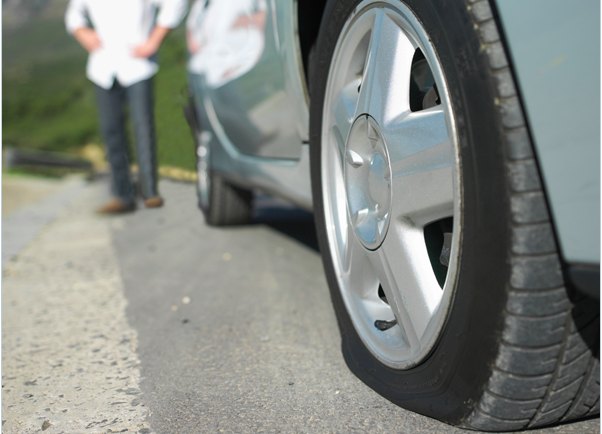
(547, 369)
(228, 205)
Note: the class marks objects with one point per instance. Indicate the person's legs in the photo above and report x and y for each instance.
(140, 96)
(110, 108)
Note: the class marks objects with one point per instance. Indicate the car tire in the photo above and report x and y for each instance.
(222, 203)
(508, 344)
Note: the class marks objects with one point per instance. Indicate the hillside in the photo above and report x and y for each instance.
(48, 103)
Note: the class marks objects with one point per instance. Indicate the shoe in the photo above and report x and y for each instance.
(154, 202)
(115, 206)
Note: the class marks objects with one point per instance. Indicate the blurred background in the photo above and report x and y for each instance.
(49, 104)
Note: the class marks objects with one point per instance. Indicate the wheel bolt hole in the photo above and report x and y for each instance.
(381, 294)
(438, 245)
(423, 90)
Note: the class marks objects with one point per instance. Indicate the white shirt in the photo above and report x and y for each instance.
(227, 51)
(122, 25)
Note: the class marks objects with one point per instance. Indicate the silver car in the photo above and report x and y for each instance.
(450, 151)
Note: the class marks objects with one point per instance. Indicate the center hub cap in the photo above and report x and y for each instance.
(368, 181)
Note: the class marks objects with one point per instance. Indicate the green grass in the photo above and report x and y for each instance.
(175, 145)
(48, 103)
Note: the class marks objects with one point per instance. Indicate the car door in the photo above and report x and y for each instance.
(254, 76)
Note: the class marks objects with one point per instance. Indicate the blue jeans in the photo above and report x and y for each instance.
(112, 124)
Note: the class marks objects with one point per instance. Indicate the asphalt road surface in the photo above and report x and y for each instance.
(153, 322)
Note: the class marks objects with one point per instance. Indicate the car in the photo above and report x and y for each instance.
(450, 152)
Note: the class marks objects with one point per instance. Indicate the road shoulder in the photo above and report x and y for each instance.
(68, 353)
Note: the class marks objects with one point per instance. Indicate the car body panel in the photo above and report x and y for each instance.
(288, 178)
(555, 49)
(257, 121)
(250, 70)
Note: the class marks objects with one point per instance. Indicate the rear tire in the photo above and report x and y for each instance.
(222, 203)
(515, 346)
(228, 205)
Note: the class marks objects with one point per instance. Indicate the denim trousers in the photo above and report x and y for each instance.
(111, 108)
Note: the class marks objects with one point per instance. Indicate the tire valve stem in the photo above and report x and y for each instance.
(446, 250)
(384, 325)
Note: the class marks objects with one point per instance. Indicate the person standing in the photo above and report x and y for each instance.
(123, 38)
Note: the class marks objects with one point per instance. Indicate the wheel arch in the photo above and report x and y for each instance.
(309, 18)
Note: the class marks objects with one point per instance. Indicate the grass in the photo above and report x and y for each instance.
(175, 145)
(48, 103)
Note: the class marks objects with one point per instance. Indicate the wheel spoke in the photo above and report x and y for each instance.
(357, 270)
(422, 159)
(340, 144)
(384, 91)
(343, 109)
(405, 273)
(339, 209)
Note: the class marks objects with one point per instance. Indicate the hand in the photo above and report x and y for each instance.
(193, 46)
(242, 21)
(146, 50)
(88, 38)
(152, 44)
(256, 20)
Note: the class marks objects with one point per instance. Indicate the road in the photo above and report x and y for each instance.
(153, 322)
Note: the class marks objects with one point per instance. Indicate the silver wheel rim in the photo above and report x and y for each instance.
(202, 168)
(387, 173)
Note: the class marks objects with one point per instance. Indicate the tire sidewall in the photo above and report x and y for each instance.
(452, 378)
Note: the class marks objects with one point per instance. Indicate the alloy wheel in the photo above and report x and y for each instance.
(391, 182)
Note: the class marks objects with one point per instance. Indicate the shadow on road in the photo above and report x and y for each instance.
(286, 219)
